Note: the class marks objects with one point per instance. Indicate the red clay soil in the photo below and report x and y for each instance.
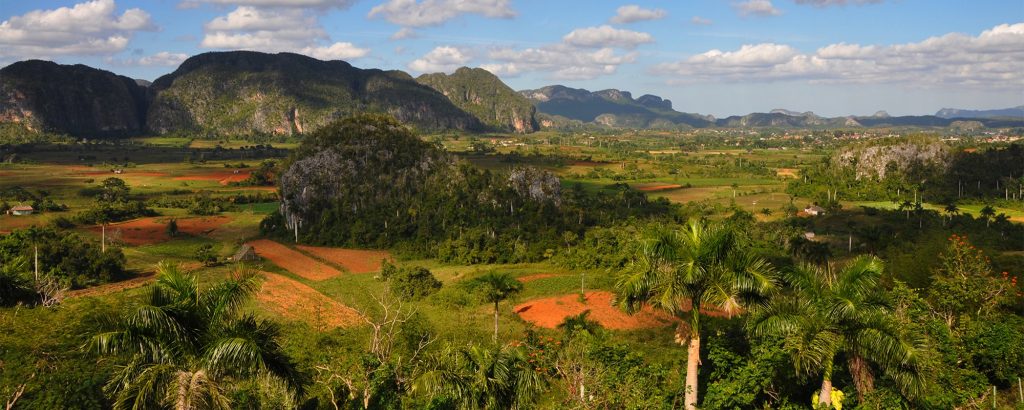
(294, 261)
(124, 174)
(536, 276)
(550, 312)
(353, 260)
(146, 231)
(223, 177)
(296, 301)
(651, 188)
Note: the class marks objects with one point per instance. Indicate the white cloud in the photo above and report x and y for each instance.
(757, 8)
(700, 21)
(90, 28)
(990, 59)
(632, 13)
(561, 60)
(336, 51)
(404, 33)
(606, 36)
(443, 58)
(276, 30)
(163, 58)
(321, 4)
(410, 13)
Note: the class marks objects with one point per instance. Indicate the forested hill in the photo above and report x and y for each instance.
(609, 107)
(242, 92)
(41, 96)
(484, 95)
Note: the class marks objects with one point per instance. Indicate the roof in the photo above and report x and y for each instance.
(22, 208)
(815, 208)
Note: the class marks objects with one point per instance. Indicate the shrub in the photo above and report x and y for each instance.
(206, 255)
(410, 283)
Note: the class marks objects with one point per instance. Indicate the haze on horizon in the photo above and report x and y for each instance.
(833, 57)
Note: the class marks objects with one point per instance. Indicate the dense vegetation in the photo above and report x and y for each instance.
(482, 94)
(369, 182)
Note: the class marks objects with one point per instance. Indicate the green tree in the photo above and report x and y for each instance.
(495, 288)
(988, 212)
(483, 378)
(699, 265)
(832, 311)
(206, 255)
(185, 346)
(172, 228)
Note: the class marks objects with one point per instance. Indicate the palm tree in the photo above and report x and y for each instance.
(951, 210)
(482, 378)
(184, 346)
(988, 212)
(833, 311)
(701, 266)
(495, 288)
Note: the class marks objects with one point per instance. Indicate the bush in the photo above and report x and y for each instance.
(206, 255)
(410, 283)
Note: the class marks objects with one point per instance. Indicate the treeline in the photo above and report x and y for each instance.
(369, 182)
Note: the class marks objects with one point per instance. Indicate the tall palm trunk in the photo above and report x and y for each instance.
(863, 379)
(495, 322)
(693, 358)
(825, 397)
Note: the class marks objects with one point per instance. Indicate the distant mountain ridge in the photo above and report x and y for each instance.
(611, 107)
(484, 95)
(1012, 112)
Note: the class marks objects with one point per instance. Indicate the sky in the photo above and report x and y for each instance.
(719, 57)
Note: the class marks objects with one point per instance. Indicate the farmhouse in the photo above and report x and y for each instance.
(814, 210)
(21, 210)
(247, 253)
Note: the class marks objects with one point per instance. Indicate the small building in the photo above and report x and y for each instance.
(814, 210)
(21, 210)
(247, 253)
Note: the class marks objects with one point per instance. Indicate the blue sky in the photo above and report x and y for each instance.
(720, 57)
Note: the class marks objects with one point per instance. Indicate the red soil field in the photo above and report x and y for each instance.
(550, 312)
(123, 174)
(223, 177)
(651, 188)
(536, 276)
(589, 163)
(294, 261)
(145, 231)
(296, 301)
(353, 260)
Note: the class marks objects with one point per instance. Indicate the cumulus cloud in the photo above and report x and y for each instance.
(163, 59)
(700, 21)
(761, 8)
(443, 58)
(990, 59)
(276, 30)
(410, 13)
(562, 60)
(404, 33)
(90, 28)
(321, 4)
(632, 13)
(606, 36)
(826, 3)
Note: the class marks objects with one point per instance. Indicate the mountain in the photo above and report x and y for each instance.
(1017, 111)
(71, 99)
(484, 95)
(243, 92)
(609, 107)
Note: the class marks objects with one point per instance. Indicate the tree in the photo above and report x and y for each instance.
(951, 210)
(699, 265)
(206, 255)
(172, 228)
(832, 311)
(483, 378)
(496, 287)
(184, 346)
(988, 212)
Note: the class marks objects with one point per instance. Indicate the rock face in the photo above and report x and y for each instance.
(244, 92)
(875, 161)
(71, 99)
(484, 95)
(611, 108)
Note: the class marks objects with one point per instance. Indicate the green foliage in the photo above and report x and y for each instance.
(65, 256)
(482, 94)
(112, 202)
(172, 228)
(411, 282)
(206, 255)
(183, 347)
